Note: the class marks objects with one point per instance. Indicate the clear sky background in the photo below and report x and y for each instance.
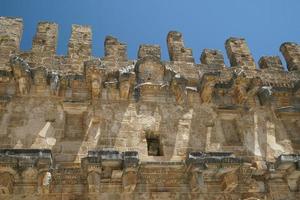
(205, 24)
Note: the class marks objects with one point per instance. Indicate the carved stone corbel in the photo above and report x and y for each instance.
(196, 180)
(44, 182)
(129, 180)
(229, 181)
(126, 84)
(130, 171)
(240, 90)
(93, 181)
(6, 183)
(207, 88)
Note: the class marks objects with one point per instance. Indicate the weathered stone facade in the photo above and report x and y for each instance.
(77, 127)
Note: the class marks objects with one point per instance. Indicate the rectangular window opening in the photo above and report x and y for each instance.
(154, 145)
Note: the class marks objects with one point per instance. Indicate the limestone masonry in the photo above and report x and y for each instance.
(76, 127)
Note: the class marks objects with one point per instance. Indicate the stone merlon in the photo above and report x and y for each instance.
(238, 53)
(177, 51)
(291, 53)
(114, 50)
(45, 39)
(80, 43)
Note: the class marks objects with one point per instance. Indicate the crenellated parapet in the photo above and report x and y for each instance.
(78, 76)
(78, 126)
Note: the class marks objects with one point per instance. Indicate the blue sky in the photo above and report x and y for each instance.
(205, 24)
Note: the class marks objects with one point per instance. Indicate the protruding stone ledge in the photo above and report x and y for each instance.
(105, 157)
(32, 165)
(111, 164)
(226, 172)
(202, 158)
(112, 157)
(30, 155)
(287, 160)
(17, 159)
(131, 159)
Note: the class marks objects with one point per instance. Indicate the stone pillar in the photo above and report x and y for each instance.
(239, 53)
(291, 53)
(212, 57)
(177, 51)
(114, 50)
(11, 30)
(130, 171)
(80, 47)
(149, 50)
(45, 39)
(271, 63)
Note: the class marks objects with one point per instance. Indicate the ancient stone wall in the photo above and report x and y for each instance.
(78, 127)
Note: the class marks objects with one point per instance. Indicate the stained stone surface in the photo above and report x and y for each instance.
(80, 127)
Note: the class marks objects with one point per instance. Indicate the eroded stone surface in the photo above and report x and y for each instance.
(78, 127)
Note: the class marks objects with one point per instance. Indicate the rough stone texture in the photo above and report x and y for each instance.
(270, 62)
(291, 53)
(45, 39)
(212, 57)
(77, 127)
(11, 30)
(177, 51)
(149, 50)
(239, 54)
(80, 46)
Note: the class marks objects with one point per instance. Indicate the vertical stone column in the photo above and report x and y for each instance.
(177, 51)
(80, 47)
(271, 63)
(45, 39)
(44, 44)
(212, 57)
(239, 53)
(11, 30)
(291, 53)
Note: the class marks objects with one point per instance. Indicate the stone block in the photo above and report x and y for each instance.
(270, 63)
(212, 57)
(291, 54)
(239, 54)
(177, 51)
